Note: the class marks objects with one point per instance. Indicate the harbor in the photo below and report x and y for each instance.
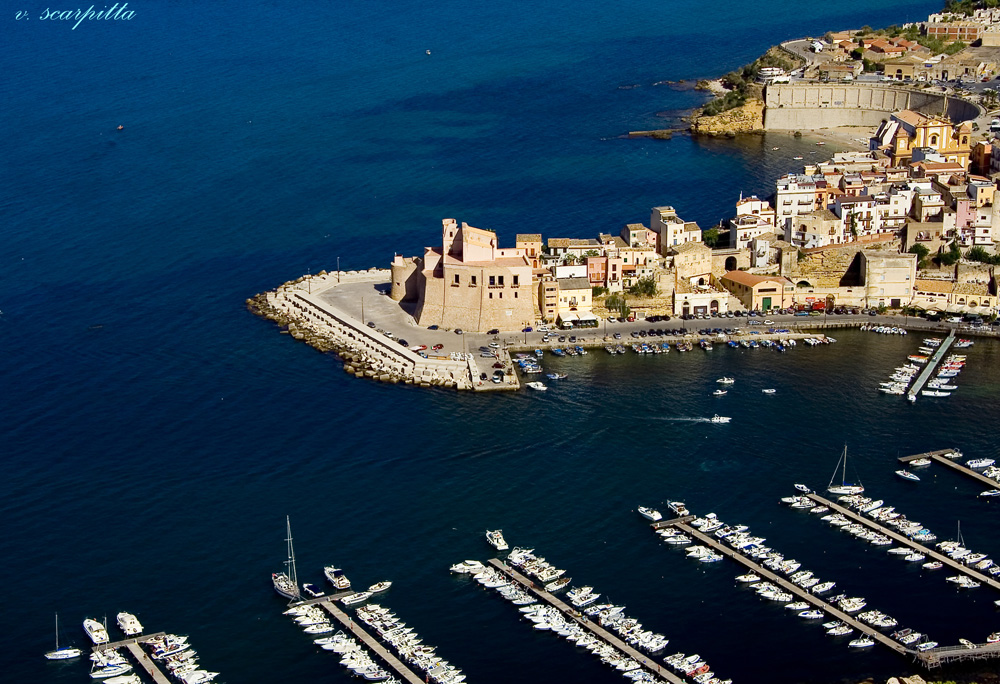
(683, 524)
(941, 457)
(146, 663)
(654, 669)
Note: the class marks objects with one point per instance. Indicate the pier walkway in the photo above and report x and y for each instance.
(939, 457)
(647, 663)
(321, 599)
(143, 660)
(405, 673)
(788, 586)
(978, 576)
(928, 370)
(125, 642)
(945, 655)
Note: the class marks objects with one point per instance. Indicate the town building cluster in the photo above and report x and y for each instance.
(838, 234)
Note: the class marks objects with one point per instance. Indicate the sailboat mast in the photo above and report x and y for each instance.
(291, 553)
(57, 631)
(843, 476)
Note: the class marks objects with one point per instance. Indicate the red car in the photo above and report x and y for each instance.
(438, 347)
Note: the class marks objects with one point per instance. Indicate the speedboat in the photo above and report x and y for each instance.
(357, 597)
(980, 462)
(811, 614)
(990, 493)
(720, 419)
(129, 624)
(556, 376)
(379, 586)
(725, 381)
(769, 391)
(719, 393)
(650, 513)
(920, 462)
(496, 540)
(863, 642)
(336, 577)
(96, 631)
(907, 475)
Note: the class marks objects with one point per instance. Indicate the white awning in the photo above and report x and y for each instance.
(568, 318)
(587, 317)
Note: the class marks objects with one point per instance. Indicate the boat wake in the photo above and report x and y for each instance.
(685, 420)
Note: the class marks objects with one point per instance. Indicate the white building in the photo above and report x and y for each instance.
(672, 229)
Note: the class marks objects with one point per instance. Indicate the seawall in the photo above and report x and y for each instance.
(805, 106)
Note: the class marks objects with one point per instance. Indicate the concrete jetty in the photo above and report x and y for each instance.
(658, 670)
(903, 540)
(928, 370)
(147, 664)
(774, 578)
(405, 673)
(941, 457)
(113, 645)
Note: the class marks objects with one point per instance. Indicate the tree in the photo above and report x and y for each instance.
(591, 253)
(617, 303)
(570, 259)
(951, 257)
(645, 287)
(921, 251)
(710, 237)
(598, 291)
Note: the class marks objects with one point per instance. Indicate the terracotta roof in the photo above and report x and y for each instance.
(749, 279)
(943, 286)
(910, 117)
(572, 242)
(690, 247)
(528, 237)
(573, 284)
(971, 289)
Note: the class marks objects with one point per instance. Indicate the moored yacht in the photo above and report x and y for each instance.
(495, 538)
(129, 624)
(285, 583)
(65, 652)
(96, 631)
(336, 577)
(650, 513)
(843, 488)
(907, 475)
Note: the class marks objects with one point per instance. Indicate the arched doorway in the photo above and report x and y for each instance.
(731, 263)
(714, 306)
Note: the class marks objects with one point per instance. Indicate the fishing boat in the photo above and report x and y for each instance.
(720, 419)
(336, 577)
(907, 475)
(649, 513)
(496, 540)
(843, 488)
(65, 652)
(286, 583)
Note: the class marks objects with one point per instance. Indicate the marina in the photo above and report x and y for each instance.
(808, 597)
(648, 665)
(941, 457)
(932, 364)
(147, 664)
(906, 541)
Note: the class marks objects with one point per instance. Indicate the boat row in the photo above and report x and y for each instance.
(883, 329)
(743, 542)
(355, 657)
(900, 379)
(888, 516)
(174, 653)
(408, 645)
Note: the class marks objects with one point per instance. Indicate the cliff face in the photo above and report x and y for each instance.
(746, 119)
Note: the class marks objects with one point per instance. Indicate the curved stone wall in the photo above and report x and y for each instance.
(803, 106)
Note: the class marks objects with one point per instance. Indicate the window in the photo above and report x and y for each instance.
(473, 279)
(456, 279)
(515, 295)
(491, 295)
(500, 280)
(493, 281)
(517, 280)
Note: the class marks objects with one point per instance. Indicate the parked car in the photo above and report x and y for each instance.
(618, 336)
(526, 329)
(403, 342)
(458, 331)
(371, 324)
(494, 331)
(432, 327)
(438, 347)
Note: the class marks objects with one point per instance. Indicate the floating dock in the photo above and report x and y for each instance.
(939, 457)
(142, 638)
(321, 599)
(978, 576)
(149, 665)
(645, 661)
(405, 673)
(932, 364)
(774, 578)
(945, 655)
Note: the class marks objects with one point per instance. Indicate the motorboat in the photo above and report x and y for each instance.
(650, 513)
(719, 393)
(862, 642)
(496, 540)
(111, 671)
(313, 590)
(980, 462)
(720, 419)
(558, 585)
(556, 376)
(920, 462)
(769, 391)
(536, 386)
(378, 587)
(725, 381)
(96, 631)
(907, 475)
(934, 393)
(990, 493)
(811, 614)
(129, 624)
(62, 653)
(678, 508)
(336, 577)
(356, 597)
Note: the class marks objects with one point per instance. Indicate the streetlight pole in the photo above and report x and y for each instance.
(338, 270)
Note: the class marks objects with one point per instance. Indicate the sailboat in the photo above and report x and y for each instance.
(287, 583)
(62, 653)
(843, 487)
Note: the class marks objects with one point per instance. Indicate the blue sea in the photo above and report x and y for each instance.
(155, 434)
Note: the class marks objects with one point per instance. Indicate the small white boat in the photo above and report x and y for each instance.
(863, 642)
(719, 393)
(495, 538)
(356, 597)
(129, 624)
(379, 586)
(111, 671)
(769, 391)
(802, 488)
(650, 513)
(336, 577)
(720, 419)
(990, 493)
(920, 462)
(536, 386)
(907, 475)
(811, 614)
(725, 381)
(980, 462)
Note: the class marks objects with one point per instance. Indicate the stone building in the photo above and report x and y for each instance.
(759, 292)
(672, 229)
(468, 282)
(907, 130)
(888, 277)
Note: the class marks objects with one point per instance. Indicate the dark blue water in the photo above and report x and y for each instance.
(155, 434)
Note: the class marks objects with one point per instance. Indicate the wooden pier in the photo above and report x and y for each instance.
(945, 655)
(932, 364)
(645, 661)
(785, 584)
(143, 660)
(978, 576)
(125, 642)
(405, 673)
(321, 599)
(939, 457)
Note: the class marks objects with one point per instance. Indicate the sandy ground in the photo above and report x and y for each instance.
(846, 137)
